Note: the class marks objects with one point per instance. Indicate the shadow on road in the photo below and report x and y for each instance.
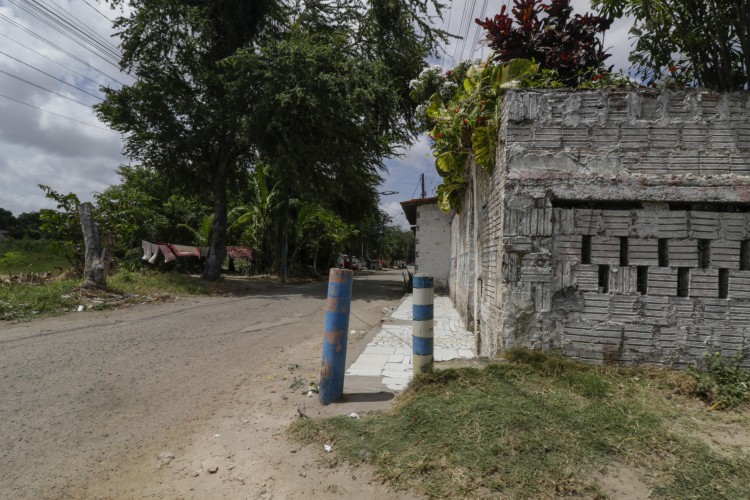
(368, 286)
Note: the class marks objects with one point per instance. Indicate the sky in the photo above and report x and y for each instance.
(50, 135)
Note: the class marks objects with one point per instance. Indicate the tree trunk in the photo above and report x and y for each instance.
(98, 254)
(283, 269)
(218, 246)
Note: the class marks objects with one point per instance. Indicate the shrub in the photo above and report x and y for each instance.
(721, 381)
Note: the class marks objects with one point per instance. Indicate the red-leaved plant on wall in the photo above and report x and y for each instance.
(549, 34)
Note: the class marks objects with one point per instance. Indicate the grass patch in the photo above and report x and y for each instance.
(541, 426)
(24, 301)
(32, 256)
(152, 282)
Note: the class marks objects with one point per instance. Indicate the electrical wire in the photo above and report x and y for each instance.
(51, 76)
(98, 11)
(107, 59)
(448, 29)
(57, 114)
(50, 59)
(478, 31)
(79, 25)
(51, 44)
(45, 88)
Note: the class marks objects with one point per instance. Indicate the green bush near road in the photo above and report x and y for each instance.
(541, 426)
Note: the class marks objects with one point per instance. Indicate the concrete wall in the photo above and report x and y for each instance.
(433, 243)
(570, 223)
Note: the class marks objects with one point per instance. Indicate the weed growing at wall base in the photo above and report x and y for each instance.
(721, 381)
(541, 426)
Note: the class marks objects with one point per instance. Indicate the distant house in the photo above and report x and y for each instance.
(432, 230)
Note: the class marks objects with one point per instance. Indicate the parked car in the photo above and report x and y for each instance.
(342, 262)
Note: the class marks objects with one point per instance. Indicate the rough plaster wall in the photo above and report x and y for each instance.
(433, 243)
(461, 265)
(611, 147)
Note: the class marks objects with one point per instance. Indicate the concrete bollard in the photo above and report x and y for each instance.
(423, 329)
(336, 335)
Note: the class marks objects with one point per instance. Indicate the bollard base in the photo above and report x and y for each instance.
(422, 364)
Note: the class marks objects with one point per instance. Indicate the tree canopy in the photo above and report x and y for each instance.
(318, 90)
(702, 43)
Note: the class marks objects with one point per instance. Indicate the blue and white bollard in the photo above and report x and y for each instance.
(423, 329)
(335, 339)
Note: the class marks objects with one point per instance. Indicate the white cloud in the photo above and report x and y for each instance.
(37, 147)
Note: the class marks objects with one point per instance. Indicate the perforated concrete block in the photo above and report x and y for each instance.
(567, 248)
(704, 283)
(739, 285)
(703, 225)
(662, 281)
(683, 253)
(725, 254)
(605, 250)
(616, 222)
(643, 252)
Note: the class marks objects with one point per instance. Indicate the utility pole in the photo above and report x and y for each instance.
(424, 194)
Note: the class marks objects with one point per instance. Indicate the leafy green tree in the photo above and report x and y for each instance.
(697, 42)
(250, 222)
(27, 226)
(63, 224)
(7, 221)
(397, 243)
(314, 225)
(332, 98)
(124, 211)
(184, 116)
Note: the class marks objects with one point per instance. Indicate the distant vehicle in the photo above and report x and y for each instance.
(359, 262)
(383, 263)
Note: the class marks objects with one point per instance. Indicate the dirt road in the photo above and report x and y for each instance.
(180, 400)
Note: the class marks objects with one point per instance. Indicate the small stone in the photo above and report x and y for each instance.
(213, 468)
(195, 473)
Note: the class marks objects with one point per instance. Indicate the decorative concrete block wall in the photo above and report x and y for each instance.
(615, 227)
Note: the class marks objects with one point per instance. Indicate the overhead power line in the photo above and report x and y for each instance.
(448, 29)
(51, 76)
(51, 44)
(44, 88)
(57, 114)
(78, 26)
(98, 53)
(98, 11)
(50, 59)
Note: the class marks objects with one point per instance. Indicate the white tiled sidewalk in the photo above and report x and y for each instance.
(389, 354)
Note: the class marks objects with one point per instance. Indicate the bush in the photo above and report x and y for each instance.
(721, 381)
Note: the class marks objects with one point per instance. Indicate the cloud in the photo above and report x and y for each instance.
(37, 147)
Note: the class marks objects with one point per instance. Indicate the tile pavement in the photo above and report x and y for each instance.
(389, 354)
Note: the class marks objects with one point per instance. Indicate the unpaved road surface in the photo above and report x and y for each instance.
(179, 400)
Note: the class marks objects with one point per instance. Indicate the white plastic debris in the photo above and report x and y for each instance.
(328, 448)
(354, 415)
(216, 435)
(80, 308)
(309, 394)
(352, 332)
